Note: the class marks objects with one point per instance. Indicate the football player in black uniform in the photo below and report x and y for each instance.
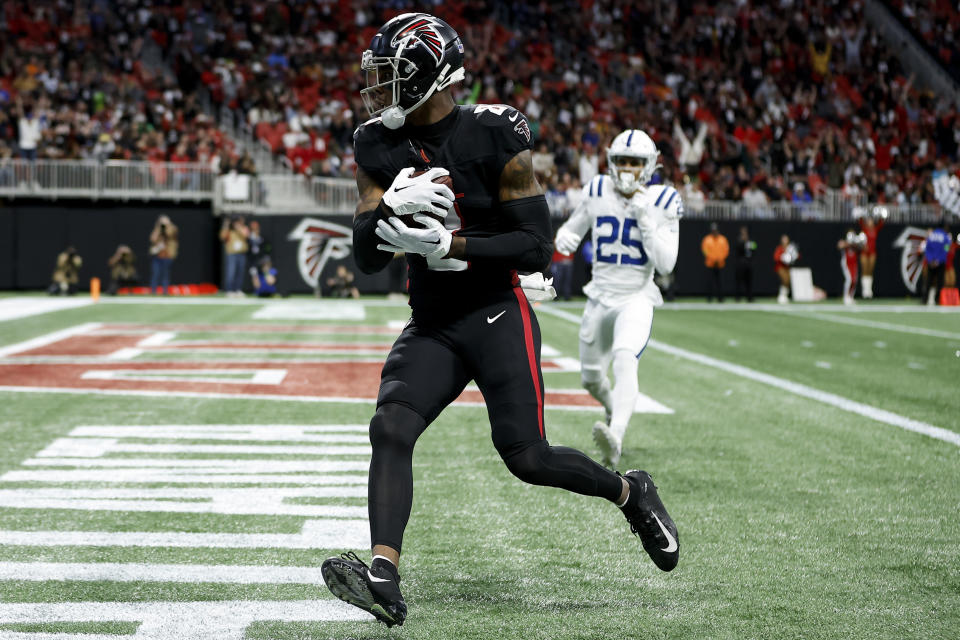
(470, 318)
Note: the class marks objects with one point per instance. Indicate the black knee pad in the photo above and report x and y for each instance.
(528, 463)
(396, 427)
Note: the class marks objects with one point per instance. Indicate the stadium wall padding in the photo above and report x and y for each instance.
(32, 235)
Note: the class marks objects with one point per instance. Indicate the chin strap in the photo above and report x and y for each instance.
(394, 117)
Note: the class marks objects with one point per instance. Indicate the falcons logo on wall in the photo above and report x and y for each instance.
(425, 30)
(911, 257)
(320, 241)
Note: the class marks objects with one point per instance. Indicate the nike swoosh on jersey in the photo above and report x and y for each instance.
(374, 578)
(496, 317)
(514, 118)
(671, 541)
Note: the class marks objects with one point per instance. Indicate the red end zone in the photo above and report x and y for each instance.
(99, 360)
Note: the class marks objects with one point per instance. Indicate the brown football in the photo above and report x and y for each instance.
(408, 219)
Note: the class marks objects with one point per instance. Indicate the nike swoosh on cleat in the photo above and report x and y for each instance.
(374, 578)
(496, 317)
(671, 541)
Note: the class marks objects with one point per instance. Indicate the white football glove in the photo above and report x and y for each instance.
(536, 287)
(420, 194)
(430, 242)
(566, 241)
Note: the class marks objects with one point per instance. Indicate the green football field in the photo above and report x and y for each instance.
(181, 468)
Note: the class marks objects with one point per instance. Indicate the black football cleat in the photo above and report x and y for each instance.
(372, 589)
(649, 519)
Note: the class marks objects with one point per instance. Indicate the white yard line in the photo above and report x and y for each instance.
(49, 338)
(787, 308)
(859, 408)
(223, 620)
(885, 326)
(24, 307)
(316, 534)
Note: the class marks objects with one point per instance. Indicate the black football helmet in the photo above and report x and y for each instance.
(412, 56)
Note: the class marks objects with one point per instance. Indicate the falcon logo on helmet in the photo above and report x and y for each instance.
(631, 160)
(428, 34)
(412, 57)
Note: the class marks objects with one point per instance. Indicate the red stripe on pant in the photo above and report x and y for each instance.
(531, 355)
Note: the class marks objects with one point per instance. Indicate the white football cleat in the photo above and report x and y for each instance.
(608, 443)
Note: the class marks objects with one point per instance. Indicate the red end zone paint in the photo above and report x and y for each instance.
(531, 354)
(322, 380)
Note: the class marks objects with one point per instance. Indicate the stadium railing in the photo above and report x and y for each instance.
(298, 194)
(111, 180)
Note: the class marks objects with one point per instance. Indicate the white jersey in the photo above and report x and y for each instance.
(632, 237)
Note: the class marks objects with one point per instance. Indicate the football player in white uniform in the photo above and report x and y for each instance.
(636, 230)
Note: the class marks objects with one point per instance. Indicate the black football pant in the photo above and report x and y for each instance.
(715, 289)
(498, 346)
(745, 281)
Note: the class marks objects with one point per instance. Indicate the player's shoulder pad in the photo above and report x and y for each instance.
(597, 187)
(369, 130)
(667, 199)
(509, 120)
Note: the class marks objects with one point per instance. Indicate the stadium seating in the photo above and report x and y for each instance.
(787, 92)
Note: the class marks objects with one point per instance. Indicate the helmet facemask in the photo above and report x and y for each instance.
(384, 76)
(630, 171)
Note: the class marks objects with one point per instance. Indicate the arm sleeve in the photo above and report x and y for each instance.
(661, 236)
(579, 220)
(663, 244)
(527, 248)
(365, 240)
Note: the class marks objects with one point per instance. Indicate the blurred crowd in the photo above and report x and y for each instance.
(935, 23)
(751, 101)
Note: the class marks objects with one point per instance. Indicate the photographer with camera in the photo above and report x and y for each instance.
(234, 235)
(66, 274)
(163, 249)
(123, 269)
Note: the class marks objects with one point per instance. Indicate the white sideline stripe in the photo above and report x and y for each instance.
(310, 311)
(136, 572)
(24, 307)
(157, 339)
(865, 410)
(316, 534)
(546, 351)
(223, 620)
(249, 396)
(49, 338)
(36, 635)
(127, 353)
(147, 475)
(33, 499)
(217, 376)
(204, 465)
(887, 326)
(214, 356)
(276, 433)
(880, 415)
(97, 447)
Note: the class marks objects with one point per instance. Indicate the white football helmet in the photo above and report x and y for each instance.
(631, 160)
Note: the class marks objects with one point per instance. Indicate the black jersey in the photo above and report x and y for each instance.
(473, 143)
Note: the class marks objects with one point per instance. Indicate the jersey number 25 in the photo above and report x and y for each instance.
(629, 224)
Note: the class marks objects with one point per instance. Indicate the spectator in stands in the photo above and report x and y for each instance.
(123, 269)
(691, 152)
(744, 250)
(164, 243)
(66, 275)
(935, 251)
(264, 278)
(715, 250)
(341, 284)
(234, 234)
(31, 127)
